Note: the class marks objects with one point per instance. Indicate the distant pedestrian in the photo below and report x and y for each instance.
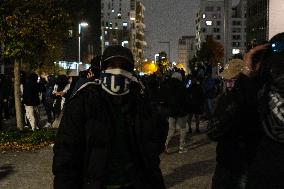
(48, 101)
(177, 110)
(61, 87)
(109, 136)
(31, 100)
(195, 102)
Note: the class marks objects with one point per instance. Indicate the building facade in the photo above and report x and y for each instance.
(186, 51)
(257, 21)
(265, 19)
(225, 22)
(123, 23)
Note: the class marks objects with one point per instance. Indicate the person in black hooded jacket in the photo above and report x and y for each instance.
(267, 168)
(109, 136)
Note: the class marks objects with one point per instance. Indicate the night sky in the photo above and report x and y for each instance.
(168, 20)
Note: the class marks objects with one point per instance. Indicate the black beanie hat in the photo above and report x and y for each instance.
(117, 52)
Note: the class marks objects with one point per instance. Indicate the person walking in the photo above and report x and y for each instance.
(109, 136)
(48, 101)
(177, 110)
(195, 103)
(31, 100)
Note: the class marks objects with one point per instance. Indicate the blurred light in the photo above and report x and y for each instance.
(84, 24)
(112, 10)
(132, 18)
(125, 24)
(236, 51)
(174, 63)
(124, 43)
(209, 23)
(204, 16)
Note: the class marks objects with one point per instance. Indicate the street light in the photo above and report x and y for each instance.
(82, 24)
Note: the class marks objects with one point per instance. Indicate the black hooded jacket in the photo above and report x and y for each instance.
(83, 144)
(235, 124)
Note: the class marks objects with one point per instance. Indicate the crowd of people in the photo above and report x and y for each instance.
(114, 124)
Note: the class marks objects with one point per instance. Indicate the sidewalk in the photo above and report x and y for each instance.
(191, 170)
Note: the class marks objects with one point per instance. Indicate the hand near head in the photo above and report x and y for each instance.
(251, 67)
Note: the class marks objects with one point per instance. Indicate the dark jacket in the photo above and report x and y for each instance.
(83, 143)
(31, 90)
(176, 98)
(236, 124)
(195, 99)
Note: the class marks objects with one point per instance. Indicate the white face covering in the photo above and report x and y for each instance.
(117, 81)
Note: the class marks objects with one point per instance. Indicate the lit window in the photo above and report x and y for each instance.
(106, 43)
(204, 16)
(209, 23)
(125, 24)
(105, 32)
(236, 51)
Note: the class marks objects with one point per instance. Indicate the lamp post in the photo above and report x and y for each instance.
(82, 24)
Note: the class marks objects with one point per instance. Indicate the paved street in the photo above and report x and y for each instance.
(191, 170)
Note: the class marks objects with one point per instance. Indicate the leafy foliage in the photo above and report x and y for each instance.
(33, 29)
(26, 139)
(211, 51)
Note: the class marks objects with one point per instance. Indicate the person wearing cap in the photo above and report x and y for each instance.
(230, 73)
(109, 136)
(235, 126)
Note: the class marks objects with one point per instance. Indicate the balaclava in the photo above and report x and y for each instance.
(117, 81)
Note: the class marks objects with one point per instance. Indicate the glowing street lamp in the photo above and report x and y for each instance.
(82, 24)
